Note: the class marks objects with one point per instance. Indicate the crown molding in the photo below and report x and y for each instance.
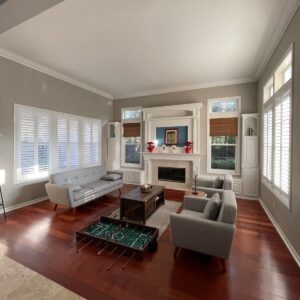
(43, 69)
(186, 88)
(279, 30)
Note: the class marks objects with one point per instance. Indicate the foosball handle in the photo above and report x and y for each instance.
(153, 245)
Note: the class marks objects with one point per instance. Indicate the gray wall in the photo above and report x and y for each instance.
(288, 220)
(22, 85)
(247, 91)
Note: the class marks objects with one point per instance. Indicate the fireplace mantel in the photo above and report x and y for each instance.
(172, 156)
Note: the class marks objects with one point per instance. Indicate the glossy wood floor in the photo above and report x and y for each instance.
(260, 266)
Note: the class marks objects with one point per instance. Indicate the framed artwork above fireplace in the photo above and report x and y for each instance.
(171, 136)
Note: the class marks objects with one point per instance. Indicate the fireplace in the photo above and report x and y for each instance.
(171, 174)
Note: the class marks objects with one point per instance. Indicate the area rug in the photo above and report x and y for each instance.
(19, 282)
(160, 218)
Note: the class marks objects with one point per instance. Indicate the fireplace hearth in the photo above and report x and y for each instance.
(171, 174)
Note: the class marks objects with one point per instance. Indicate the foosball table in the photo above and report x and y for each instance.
(125, 238)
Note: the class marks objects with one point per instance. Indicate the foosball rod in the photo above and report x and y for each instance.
(77, 242)
(128, 261)
(111, 265)
(99, 252)
(84, 246)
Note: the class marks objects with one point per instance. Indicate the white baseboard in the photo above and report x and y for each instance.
(281, 233)
(23, 204)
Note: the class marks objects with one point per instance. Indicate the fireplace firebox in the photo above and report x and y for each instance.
(171, 174)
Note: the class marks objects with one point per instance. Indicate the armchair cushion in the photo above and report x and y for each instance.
(212, 208)
(218, 182)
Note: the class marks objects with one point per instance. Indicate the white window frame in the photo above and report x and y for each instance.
(270, 104)
(124, 121)
(215, 115)
(53, 158)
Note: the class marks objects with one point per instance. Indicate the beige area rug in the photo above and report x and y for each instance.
(18, 282)
(160, 218)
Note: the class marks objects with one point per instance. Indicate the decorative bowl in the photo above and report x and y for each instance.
(145, 188)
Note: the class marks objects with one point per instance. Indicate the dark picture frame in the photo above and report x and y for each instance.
(171, 136)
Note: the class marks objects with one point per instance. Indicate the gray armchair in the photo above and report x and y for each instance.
(190, 230)
(212, 186)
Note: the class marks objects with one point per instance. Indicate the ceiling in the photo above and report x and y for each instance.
(140, 47)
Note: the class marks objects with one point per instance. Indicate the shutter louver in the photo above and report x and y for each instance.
(87, 145)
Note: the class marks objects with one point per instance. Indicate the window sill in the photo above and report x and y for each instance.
(284, 200)
(220, 171)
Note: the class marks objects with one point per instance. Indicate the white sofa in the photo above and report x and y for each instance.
(74, 188)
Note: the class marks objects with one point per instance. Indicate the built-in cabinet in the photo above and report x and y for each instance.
(250, 155)
(113, 146)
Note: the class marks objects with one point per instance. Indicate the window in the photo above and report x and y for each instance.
(131, 146)
(223, 136)
(277, 132)
(47, 141)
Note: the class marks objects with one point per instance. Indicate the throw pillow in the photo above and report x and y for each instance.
(112, 177)
(218, 183)
(212, 208)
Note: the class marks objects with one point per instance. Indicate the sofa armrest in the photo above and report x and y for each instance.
(194, 203)
(58, 194)
(202, 235)
(115, 172)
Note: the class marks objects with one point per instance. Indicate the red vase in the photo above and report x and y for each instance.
(150, 147)
(188, 149)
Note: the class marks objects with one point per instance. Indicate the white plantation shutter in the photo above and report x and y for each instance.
(47, 140)
(62, 142)
(282, 144)
(91, 142)
(268, 147)
(32, 143)
(74, 143)
(67, 142)
(96, 142)
(87, 143)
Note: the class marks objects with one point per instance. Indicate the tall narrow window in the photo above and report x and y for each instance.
(32, 143)
(131, 148)
(223, 137)
(277, 132)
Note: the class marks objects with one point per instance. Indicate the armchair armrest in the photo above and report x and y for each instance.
(205, 182)
(58, 194)
(210, 191)
(194, 203)
(115, 172)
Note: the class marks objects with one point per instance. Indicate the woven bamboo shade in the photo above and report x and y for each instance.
(131, 129)
(224, 127)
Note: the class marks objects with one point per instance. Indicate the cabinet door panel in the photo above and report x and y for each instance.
(250, 182)
(250, 152)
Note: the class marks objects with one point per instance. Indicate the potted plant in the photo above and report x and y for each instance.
(150, 146)
(188, 147)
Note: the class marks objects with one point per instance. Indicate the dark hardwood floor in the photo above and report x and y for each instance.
(260, 266)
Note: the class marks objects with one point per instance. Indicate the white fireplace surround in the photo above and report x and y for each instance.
(191, 162)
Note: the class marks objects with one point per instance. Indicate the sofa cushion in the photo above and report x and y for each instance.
(84, 193)
(212, 207)
(112, 177)
(218, 183)
(102, 185)
(80, 176)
